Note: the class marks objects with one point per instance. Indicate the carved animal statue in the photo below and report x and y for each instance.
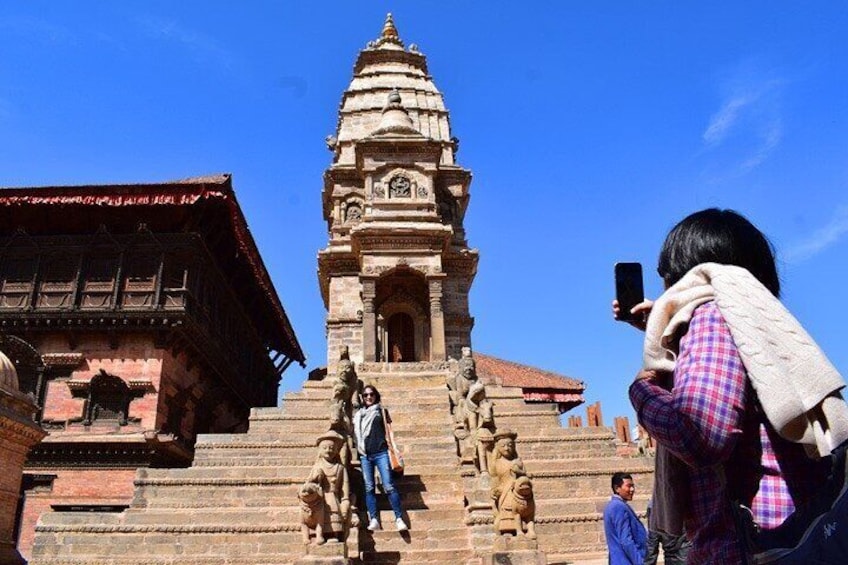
(524, 506)
(311, 497)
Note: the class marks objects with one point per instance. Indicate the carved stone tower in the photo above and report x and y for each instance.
(396, 273)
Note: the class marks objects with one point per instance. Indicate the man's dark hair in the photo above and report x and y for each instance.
(718, 236)
(618, 479)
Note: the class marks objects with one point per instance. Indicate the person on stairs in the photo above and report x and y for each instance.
(625, 534)
(369, 426)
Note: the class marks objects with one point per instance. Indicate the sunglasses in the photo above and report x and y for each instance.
(367, 394)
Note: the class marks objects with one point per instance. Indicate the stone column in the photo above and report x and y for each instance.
(437, 321)
(369, 320)
(17, 434)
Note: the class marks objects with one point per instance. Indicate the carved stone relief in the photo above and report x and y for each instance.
(353, 213)
(400, 187)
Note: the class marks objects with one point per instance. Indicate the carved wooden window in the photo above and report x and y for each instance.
(138, 288)
(109, 399)
(57, 281)
(16, 284)
(98, 287)
(175, 282)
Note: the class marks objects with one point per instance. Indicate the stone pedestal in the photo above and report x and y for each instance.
(331, 553)
(17, 434)
(480, 518)
(509, 550)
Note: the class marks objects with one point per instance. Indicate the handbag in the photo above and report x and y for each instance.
(812, 534)
(395, 457)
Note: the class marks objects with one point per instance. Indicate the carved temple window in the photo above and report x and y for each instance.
(57, 281)
(175, 273)
(18, 279)
(108, 397)
(138, 288)
(99, 282)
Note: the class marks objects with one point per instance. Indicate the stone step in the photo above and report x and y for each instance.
(398, 396)
(441, 405)
(423, 557)
(588, 506)
(419, 539)
(595, 465)
(578, 485)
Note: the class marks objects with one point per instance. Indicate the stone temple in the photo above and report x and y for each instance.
(395, 277)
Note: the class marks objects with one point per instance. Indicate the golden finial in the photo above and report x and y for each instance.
(389, 29)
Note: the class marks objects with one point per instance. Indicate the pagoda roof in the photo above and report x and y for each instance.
(206, 205)
(538, 385)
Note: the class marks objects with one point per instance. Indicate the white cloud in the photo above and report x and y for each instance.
(202, 46)
(770, 136)
(724, 120)
(821, 239)
(749, 117)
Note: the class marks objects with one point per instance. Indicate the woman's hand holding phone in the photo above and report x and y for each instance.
(640, 313)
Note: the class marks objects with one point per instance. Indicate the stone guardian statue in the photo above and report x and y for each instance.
(330, 475)
(512, 489)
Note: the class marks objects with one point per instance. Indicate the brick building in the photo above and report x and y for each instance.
(137, 316)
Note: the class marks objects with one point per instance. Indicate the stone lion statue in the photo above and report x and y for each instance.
(311, 497)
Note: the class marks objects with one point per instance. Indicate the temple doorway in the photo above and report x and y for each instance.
(403, 317)
(401, 338)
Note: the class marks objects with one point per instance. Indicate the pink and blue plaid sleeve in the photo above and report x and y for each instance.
(700, 419)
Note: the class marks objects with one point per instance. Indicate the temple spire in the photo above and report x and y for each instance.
(389, 29)
(389, 36)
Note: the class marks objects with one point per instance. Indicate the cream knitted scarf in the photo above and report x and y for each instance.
(798, 388)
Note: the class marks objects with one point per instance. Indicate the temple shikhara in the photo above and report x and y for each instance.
(143, 345)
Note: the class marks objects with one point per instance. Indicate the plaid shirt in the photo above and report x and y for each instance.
(712, 422)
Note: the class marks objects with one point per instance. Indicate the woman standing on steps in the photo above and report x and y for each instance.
(369, 428)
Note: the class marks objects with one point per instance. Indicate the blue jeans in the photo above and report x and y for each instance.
(381, 462)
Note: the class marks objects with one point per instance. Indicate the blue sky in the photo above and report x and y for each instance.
(590, 127)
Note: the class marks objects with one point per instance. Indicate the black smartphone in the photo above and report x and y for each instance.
(628, 289)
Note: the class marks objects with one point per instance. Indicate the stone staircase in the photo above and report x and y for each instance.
(571, 470)
(237, 504)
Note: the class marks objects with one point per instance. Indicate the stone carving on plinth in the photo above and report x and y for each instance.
(346, 388)
(479, 421)
(325, 504)
(311, 497)
(459, 384)
(512, 489)
(514, 506)
(18, 433)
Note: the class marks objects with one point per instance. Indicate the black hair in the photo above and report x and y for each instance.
(718, 236)
(376, 392)
(618, 479)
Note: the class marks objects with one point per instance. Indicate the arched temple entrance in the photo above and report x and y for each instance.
(403, 317)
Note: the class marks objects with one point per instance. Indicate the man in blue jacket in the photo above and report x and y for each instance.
(626, 536)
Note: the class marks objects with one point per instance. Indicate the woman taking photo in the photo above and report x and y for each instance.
(369, 426)
(724, 365)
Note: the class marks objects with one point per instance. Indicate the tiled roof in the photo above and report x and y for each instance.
(172, 206)
(508, 373)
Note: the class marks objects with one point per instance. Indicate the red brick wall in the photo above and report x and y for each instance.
(135, 358)
(106, 486)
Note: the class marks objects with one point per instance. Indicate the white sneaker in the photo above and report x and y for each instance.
(373, 525)
(401, 525)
